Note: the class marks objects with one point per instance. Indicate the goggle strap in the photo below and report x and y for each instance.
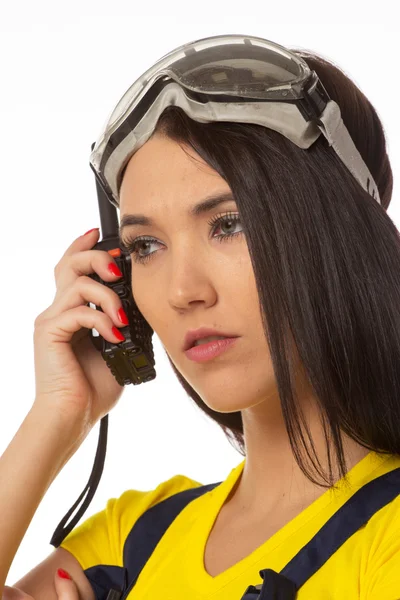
(331, 125)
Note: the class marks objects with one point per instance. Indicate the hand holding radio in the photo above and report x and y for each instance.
(71, 374)
(77, 373)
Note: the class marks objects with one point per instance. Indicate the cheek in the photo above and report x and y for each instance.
(236, 290)
(241, 288)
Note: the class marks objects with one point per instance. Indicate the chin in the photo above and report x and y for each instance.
(224, 404)
(237, 400)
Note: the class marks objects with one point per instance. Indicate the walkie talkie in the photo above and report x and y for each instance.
(130, 361)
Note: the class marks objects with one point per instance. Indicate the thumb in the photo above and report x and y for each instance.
(65, 586)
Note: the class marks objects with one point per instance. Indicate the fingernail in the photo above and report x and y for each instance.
(63, 574)
(114, 269)
(118, 334)
(91, 230)
(122, 316)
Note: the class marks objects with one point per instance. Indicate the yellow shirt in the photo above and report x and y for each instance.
(365, 567)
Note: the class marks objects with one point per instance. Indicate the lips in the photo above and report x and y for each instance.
(197, 334)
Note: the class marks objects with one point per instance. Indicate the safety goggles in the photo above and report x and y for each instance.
(235, 78)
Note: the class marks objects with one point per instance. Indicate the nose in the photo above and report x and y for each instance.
(191, 280)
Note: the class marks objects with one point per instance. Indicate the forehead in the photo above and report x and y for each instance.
(162, 178)
(162, 170)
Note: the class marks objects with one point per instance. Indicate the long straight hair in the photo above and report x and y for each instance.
(326, 260)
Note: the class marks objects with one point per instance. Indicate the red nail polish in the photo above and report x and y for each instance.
(122, 316)
(91, 230)
(118, 334)
(63, 574)
(114, 269)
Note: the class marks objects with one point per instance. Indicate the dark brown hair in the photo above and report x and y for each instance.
(326, 260)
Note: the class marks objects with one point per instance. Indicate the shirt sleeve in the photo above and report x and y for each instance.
(99, 539)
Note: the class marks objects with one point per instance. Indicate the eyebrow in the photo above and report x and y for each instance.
(206, 205)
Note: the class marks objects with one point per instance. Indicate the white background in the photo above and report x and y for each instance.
(64, 66)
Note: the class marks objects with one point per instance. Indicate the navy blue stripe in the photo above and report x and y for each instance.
(357, 511)
(104, 577)
(151, 526)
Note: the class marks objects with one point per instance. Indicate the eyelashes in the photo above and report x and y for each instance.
(131, 245)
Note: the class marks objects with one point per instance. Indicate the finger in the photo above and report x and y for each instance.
(80, 259)
(53, 332)
(13, 593)
(65, 586)
(86, 290)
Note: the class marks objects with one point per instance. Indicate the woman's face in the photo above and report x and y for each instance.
(193, 279)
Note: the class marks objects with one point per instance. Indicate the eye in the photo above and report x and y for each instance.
(132, 245)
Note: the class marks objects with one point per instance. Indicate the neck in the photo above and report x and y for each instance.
(271, 480)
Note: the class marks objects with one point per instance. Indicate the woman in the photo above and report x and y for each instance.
(308, 389)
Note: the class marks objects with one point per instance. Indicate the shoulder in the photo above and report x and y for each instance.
(101, 537)
(137, 501)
